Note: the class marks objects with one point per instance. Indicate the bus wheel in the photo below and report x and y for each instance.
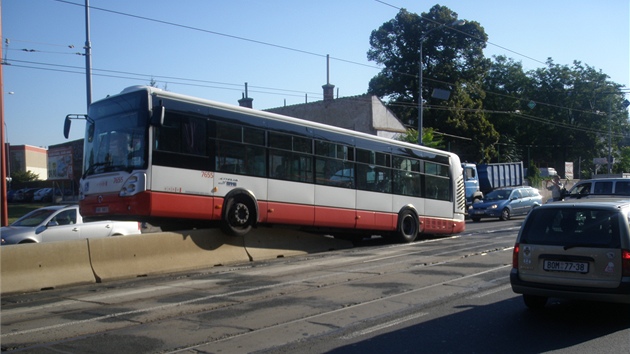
(238, 217)
(408, 226)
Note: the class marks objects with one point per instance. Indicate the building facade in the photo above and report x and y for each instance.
(23, 158)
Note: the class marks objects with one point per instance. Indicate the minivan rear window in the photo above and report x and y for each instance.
(622, 188)
(603, 187)
(571, 227)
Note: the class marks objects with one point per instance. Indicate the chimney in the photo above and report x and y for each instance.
(329, 90)
(246, 101)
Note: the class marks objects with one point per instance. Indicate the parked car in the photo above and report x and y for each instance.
(548, 172)
(10, 195)
(46, 195)
(578, 249)
(503, 203)
(62, 223)
(599, 187)
(28, 194)
(18, 196)
(40, 194)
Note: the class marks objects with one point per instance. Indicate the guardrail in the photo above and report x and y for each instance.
(35, 267)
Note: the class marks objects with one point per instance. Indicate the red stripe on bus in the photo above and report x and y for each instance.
(440, 226)
(113, 204)
(373, 220)
(296, 214)
(185, 206)
(335, 217)
(173, 205)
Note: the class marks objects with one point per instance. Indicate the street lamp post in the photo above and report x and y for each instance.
(420, 100)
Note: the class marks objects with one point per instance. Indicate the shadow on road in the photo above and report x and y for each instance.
(504, 327)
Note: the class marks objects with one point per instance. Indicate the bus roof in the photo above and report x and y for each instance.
(274, 116)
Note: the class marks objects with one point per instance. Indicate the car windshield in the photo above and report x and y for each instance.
(34, 218)
(498, 195)
(570, 227)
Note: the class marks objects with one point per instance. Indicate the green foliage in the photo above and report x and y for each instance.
(428, 138)
(533, 175)
(452, 60)
(497, 111)
(623, 162)
(23, 177)
(154, 83)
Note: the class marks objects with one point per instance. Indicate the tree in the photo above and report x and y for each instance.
(558, 112)
(452, 60)
(154, 83)
(24, 176)
(623, 164)
(504, 84)
(428, 138)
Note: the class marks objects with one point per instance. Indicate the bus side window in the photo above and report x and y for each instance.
(194, 136)
(182, 134)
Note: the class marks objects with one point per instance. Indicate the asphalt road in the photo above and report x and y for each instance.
(444, 295)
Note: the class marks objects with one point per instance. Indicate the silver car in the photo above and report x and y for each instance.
(577, 249)
(503, 203)
(62, 223)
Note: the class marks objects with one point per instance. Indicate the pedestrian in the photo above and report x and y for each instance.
(556, 188)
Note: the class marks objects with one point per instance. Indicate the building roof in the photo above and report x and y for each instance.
(364, 113)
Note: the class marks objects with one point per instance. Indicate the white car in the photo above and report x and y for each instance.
(40, 195)
(62, 223)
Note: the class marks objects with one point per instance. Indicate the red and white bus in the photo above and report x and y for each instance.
(157, 156)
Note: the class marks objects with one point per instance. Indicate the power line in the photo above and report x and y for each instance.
(70, 69)
(203, 82)
(168, 79)
(466, 34)
(29, 50)
(305, 51)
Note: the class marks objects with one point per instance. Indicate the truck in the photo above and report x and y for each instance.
(481, 179)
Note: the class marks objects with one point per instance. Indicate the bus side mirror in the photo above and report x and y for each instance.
(66, 127)
(66, 124)
(157, 118)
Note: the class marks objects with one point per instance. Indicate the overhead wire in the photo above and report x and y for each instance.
(168, 79)
(204, 83)
(291, 48)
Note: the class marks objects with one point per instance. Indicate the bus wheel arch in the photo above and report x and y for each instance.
(240, 213)
(408, 225)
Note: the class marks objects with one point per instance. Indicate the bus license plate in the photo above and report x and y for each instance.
(102, 210)
(562, 266)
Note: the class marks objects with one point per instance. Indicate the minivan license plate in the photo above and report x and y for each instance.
(562, 266)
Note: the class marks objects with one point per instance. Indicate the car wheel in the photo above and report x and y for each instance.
(476, 219)
(505, 214)
(239, 216)
(534, 302)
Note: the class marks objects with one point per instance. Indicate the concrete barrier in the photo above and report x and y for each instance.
(33, 267)
(267, 243)
(132, 256)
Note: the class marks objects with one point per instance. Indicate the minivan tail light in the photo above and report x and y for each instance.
(625, 261)
(515, 256)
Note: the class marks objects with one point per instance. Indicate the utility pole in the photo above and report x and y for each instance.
(4, 217)
(88, 55)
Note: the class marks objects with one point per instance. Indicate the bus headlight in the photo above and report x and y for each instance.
(135, 184)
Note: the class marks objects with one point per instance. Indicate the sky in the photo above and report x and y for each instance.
(211, 48)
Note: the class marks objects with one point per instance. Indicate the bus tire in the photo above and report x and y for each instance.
(239, 216)
(408, 226)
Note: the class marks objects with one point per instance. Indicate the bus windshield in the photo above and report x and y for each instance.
(116, 136)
